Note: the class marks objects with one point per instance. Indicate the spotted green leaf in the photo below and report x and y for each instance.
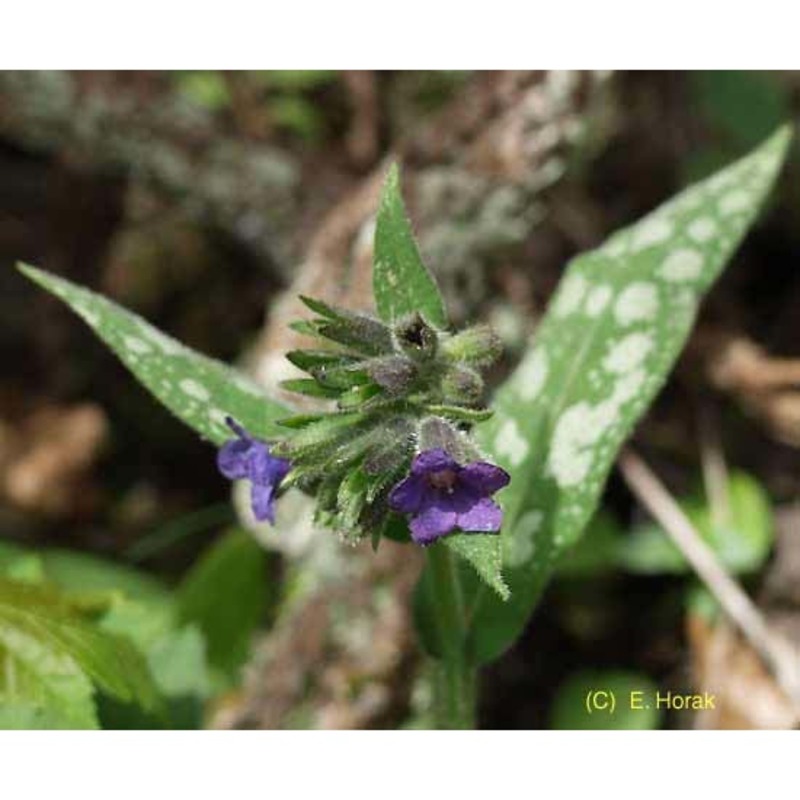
(198, 390)
(605, 347)
(400, 281)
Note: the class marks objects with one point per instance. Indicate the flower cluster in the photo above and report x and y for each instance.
(397, 439)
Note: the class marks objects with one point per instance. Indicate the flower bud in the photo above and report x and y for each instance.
(462, 385)
(479, 346)
(394, 374)
(438, 434)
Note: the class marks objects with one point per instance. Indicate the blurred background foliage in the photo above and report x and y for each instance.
(197, 199)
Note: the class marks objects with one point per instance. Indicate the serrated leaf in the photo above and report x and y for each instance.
(605, 347)
(28, 716)
(51, 656)
(198, 390)
(484, 553)
(40, 689)
(401, 283)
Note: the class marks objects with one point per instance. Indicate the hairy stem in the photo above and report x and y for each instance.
(455, 685)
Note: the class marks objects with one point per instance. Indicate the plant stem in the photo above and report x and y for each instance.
(455, 685)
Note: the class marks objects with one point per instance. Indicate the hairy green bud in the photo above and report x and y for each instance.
(438, 434)
(462, 385)
(394, 374)
(479, 346)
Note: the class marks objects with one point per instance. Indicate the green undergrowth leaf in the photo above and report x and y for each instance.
(614, 329)
(52, 658)
(130, 606)
(741, 537)
(198, 390)
(225, 595)
(742, 541)
(739, 109)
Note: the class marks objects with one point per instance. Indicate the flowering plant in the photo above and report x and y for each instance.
(405, 444)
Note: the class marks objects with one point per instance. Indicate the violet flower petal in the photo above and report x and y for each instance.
(485, 516)
(407, 496)
(484, 477)
(434, 460)
(262, 500)
(233, 459)
(264, 467)
(248, 457)
(433, 523)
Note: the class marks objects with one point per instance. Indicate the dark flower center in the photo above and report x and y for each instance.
(444, 479)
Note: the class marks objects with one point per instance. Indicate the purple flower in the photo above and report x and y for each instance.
(247, 457)
(442, 496)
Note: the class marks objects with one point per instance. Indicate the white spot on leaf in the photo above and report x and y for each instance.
(518, 547)
(570, 457)
(531, 375)
(570, 296)
(735, 202)
(651, 232)
(217, 416)
(511, 443)
(702, 229)
(616, 246)
(683, 264)
(597, 300)
(163, 342)
(580, 429)
(637, 302)
(194, 389)
(628, 353)
(135, 345)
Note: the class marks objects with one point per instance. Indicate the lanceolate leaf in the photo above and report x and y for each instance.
(400, 281)
(198, 390)
(616, 326)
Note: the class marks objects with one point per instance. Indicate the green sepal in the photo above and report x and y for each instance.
(460, 414)
(358, 395)
(308, 360)
(310, 388)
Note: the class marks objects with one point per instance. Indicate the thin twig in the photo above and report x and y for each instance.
(778, 654)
